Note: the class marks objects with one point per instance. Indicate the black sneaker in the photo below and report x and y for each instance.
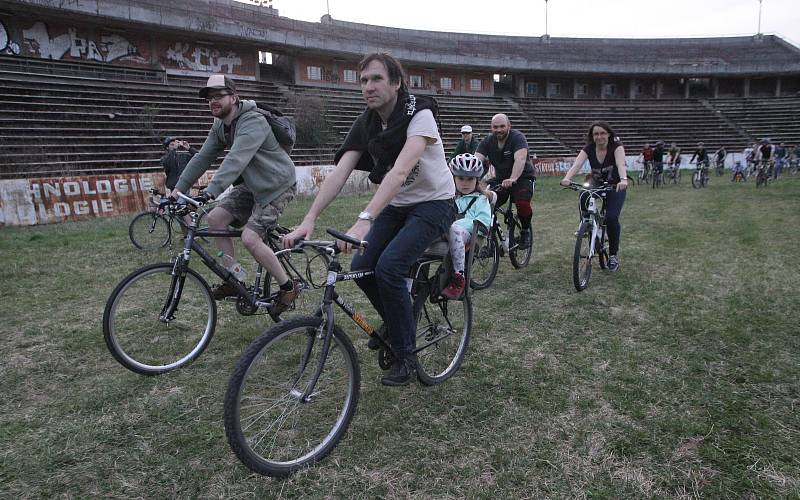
(374, 344)
(613, 263)
(524, 239)
(401, 371)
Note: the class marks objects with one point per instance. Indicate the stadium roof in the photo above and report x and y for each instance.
(227, 20)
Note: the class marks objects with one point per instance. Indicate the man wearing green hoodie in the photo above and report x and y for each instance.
(263, 176)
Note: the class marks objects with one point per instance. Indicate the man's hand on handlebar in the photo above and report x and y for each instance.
(301, 232)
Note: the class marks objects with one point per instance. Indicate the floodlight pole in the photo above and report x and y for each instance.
(545, 17)
(759, 16)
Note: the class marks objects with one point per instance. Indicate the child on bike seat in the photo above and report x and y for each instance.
(472, 204)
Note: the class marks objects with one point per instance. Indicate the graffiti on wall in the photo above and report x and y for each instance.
(56, 199)
(7, 46)
(204, 59)
(107, 48)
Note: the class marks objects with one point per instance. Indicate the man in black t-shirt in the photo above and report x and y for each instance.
(506, 151)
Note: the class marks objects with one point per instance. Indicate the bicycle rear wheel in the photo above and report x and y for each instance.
(149, 231)
(485, 264)
(520, 257)
(138, 332)
(443, 330)
(581, 260)
(270, 426)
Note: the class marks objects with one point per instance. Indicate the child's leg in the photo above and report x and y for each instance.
(458, 238)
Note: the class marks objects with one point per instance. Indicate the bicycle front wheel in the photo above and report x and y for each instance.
(520, 257)
(485, 264)
(582, 260)
(601, 245)
(443, 330)
(149, 231)
(697, 180)
(270, 425)
(155, 322)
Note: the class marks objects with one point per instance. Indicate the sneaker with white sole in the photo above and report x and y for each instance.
(613, 263)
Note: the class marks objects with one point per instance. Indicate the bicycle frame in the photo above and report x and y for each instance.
(326, 311)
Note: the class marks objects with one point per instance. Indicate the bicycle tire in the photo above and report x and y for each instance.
(443, 331)
(310, 268)
(602, 246)
(485, 264)
(149, 231)
(697, 182)
(137, 337)
(581, 261)
(520, 257)
(266, 386)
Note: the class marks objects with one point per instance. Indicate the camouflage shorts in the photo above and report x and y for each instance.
(240, 203)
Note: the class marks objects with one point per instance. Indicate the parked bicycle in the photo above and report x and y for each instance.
(700, 176)
(163, 316)
(500, 243)
(295, 389)
(591, 239)
(153, 228)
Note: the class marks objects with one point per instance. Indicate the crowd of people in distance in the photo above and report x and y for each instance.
(765, 154)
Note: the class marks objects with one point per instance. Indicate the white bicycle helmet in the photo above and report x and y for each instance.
(466, 165)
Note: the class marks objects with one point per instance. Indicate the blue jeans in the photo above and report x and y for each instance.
(398, 237)
(614, 202)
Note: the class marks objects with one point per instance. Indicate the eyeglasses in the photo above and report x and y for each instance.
(216, 97)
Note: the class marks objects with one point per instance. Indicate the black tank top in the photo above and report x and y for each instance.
(607, 170)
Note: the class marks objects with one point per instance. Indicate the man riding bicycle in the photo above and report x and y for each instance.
(506, 151)
(263, 177)
(397, 140)
(701, 154)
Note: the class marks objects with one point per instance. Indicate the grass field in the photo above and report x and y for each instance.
(675, 377)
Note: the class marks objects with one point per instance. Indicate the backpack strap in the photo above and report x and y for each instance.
(469, 205)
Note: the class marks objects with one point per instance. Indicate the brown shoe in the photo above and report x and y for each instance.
(285, 299)
(226, 289)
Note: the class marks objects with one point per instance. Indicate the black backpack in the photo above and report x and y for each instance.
(282, 126)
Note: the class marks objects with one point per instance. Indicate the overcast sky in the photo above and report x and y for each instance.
(568, 18)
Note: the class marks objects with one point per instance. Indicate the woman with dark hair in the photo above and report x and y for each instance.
(606, 158)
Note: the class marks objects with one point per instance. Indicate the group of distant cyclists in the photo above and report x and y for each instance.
(773, 157)
(421, 195)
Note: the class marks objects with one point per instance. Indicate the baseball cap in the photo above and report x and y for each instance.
(217, 82)
(466, 129)
(167, 140)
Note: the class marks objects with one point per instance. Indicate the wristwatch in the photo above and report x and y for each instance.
(366, 216)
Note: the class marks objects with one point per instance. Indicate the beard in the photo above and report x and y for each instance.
(501, 136)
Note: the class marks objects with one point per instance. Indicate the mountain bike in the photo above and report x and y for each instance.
(644, 174)
(590, 239)
(673, 174)
(500, 243)
(763, 172)
(163, 316)
(658, 176)
(719, 167)
(153, 228)
(295, 389)
(700, 175)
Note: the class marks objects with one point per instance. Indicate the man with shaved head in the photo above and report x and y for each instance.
(506, 150)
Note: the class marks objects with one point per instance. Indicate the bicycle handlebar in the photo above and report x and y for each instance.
(344, 237)
(586, 187)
